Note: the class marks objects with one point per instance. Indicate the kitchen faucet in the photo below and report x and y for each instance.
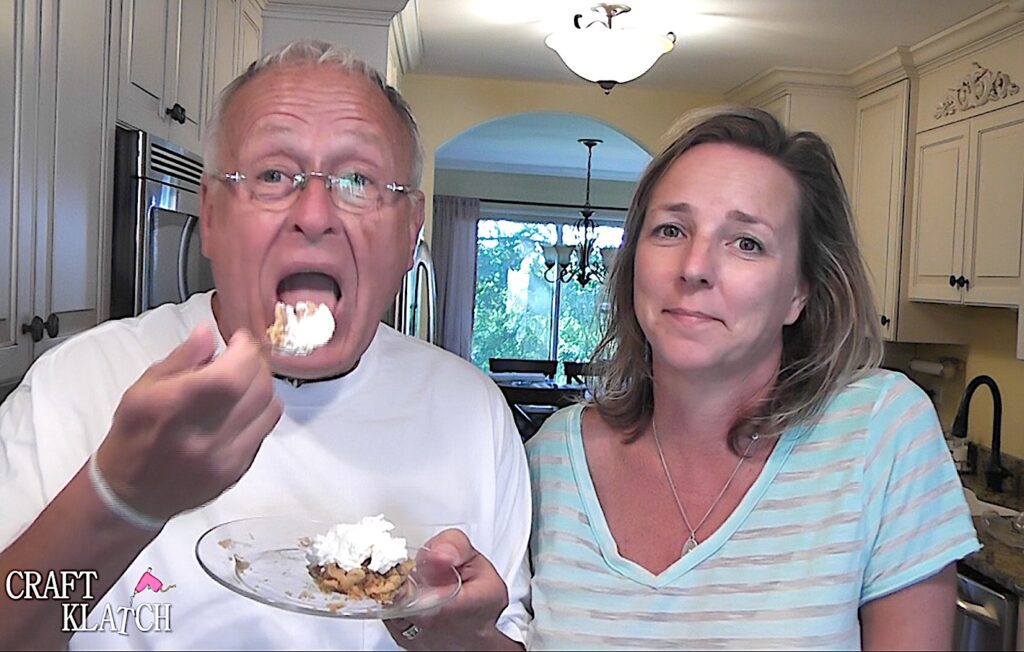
(995, 472)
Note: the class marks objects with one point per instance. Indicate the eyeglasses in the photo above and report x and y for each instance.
(352, 192)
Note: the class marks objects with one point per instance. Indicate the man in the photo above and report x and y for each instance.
(308, 196)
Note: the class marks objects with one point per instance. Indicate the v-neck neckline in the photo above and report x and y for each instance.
(602, 532)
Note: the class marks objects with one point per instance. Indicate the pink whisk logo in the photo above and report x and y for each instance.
(150, 582)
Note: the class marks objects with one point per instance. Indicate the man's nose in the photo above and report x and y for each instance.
(698, 264)
(313, 213)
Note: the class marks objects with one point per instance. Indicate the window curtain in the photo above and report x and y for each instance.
(454, 251)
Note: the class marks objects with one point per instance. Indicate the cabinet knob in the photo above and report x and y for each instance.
(52, 325)
(962, 282)
(35, 327)
(885, 320)
(952, 281)
(176, 112)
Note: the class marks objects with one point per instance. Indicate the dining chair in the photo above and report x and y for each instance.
(576, 373)
(518, 365)
(531, 406)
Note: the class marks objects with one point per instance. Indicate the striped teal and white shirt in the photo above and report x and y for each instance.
(863, 504)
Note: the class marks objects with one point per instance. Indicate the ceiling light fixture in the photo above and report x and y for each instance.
(605, 55)
(579, 261)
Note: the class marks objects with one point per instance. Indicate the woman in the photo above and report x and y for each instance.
(745, 476)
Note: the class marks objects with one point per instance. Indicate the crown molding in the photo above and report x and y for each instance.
(982, 30)
(996, 24)
(776, 81)
(884, 70)
(375, 14)
(408, 37)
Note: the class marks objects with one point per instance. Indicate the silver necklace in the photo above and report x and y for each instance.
(691, 541)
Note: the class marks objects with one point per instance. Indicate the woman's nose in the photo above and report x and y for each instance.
(698, 265)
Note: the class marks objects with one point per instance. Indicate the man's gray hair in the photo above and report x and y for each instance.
(319, 53)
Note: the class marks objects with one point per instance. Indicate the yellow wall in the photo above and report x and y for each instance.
(991, 349)
(447, 106)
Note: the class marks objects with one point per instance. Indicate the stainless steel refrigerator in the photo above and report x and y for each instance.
(415, 309)
(156, 249)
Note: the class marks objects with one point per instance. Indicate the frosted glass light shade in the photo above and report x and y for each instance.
(599, 54)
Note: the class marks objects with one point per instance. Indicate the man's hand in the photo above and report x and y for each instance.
(191, 426)
(469, 621)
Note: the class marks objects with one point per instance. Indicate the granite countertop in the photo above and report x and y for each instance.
(1001, 563)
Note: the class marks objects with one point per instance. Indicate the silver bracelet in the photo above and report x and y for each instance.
(114, 503)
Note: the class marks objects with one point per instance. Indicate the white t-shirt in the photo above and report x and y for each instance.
(413, 433)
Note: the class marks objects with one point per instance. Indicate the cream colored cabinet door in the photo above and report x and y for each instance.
(73, 199)
(939, 211)
(234, 31)
(185, 76)
(224, 27)
(144, 72)
(780, 107)
(17, 127)
(162, 73)
(879, 151)
(995, 209)
(250, 34)
(55, 140)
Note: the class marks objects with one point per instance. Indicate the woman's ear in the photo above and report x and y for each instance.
(798, 302)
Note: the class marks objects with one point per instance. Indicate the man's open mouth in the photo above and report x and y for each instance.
(311, 286)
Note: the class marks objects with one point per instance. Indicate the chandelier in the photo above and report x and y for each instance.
(584, 261)
(605, 55)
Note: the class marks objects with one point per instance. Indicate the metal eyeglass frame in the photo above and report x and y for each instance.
(331, 183)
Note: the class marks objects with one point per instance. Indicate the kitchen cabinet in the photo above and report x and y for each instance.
(236, 28)
(779, 107)
(17, 25)
(969, 211)
(162, 68)
(877, 197)
(56, 140)
(807, 100)
(879, 202)
(250, 28)
(940, 206)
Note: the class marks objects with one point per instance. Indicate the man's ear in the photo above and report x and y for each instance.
(798, 302)
(416, 219)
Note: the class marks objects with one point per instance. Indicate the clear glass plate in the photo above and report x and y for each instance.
(264, 559)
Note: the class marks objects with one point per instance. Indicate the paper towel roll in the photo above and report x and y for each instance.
(931, 368)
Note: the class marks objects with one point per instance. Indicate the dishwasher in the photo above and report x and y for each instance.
(986, 617)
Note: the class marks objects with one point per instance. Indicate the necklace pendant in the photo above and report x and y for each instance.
(690, 544)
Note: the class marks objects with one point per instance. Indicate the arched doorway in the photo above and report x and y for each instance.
(529, 173)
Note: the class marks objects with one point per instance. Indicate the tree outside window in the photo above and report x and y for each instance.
(516, 305)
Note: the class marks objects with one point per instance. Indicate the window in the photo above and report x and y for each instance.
(520, 313)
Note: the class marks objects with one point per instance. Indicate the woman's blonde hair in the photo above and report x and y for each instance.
(835, 340)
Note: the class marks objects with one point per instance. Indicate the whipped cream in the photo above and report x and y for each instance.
(302, 328)
(350, 544)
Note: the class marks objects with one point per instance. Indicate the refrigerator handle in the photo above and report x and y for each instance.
(431, 312)
(186, 240)
(978, 612)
